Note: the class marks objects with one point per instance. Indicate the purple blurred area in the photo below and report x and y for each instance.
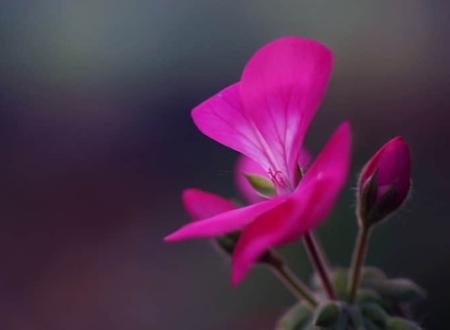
(97, 144)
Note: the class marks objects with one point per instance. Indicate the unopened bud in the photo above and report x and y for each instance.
(384, 182)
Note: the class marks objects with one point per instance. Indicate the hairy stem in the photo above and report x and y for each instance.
(359, 254)
(292, 282)
(318, 260)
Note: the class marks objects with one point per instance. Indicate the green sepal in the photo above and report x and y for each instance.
(383, 207)
(296, 318)
(371, 208)
(366, 199)
(327, 315)
(262, 185)
(228, 242)
(397, 323)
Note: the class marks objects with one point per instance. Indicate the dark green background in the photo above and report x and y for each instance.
(96, 144)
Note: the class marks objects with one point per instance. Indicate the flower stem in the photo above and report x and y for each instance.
(318, 260)
(292, 282)
(359, 255)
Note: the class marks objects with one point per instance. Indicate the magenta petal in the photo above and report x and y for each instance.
(281, 225)
(223, 119)
(247, 166)
(201, 204)
(334, 158)
(281, 88)
(257, 238)
(223, 223)
(331, 166)
(303, 210)
(392, 165)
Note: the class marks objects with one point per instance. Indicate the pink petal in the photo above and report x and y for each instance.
(306, 208)
(257, 238)
(304, 158)
(201, 204)
(247, 166)
(331, 166)
(281, 88)
(333, 160)
(281, 225)
(223, 118)
(223, 223)
(394, 168)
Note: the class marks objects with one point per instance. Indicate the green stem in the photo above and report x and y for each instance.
(292, 282)
(359, 255)
(318, 260)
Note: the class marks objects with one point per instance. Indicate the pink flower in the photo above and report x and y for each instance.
(265, 117)
(279, 220)
(384, 182)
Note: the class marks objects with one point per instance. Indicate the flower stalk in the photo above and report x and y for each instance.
(359, 256)
(289, 279)
(318, 260)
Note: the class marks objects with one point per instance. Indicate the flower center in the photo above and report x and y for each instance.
(278, 179)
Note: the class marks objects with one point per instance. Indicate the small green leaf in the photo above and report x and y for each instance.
(343, 322)
(295, 318)
(372, 273)
(340, 281)
(397, 323)
(262, 185)
(355, 317)
(368, 325)
(401, 289)
(368, 296)
(327, 315)
(375, 314)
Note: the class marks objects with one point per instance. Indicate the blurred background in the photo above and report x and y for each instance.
(97, 143)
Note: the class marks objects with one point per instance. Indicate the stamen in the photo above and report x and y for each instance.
(277, 178)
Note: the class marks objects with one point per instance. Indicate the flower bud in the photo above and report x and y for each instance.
(384, 182)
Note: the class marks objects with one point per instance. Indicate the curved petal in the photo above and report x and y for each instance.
(257, 238)
(331, 166)
(201, 204)
(281, 88)
(222, 118)
(333, 160)
(281, 225)
(305, 209)
(223, 223)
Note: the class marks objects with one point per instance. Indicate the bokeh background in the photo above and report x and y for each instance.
(97, 143)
